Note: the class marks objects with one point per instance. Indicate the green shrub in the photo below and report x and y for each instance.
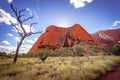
(107, 51)
(51, 52)
(3, 53)
(96, 49)
(78, 50)
(62, 51)
(116, 49)
(42, 54)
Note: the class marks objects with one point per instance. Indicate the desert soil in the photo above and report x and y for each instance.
(111, 75)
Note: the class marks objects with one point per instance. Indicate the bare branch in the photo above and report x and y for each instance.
(21, 16)
(14, 10)
(18, 30)
(31, 26)
(28, 34)
(21, 11)
(18, 18)
(27, 19)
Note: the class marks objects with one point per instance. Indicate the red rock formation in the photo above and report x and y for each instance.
(107, 37)
(56, 37)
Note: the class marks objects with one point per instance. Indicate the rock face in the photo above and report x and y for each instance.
(57, 37)
(107, 37)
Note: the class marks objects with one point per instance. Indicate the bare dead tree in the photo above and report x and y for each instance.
(21, 30)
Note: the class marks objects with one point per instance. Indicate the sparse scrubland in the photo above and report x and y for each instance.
(57, 68)
(61, 64)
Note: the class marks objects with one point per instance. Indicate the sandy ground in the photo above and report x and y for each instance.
(111, 75)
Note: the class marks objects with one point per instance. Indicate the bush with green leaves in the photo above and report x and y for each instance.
(96, 49)
(3, 54)
(107, 51)
(116, 49)
(42, 54)
(78, 50)
(62, 51)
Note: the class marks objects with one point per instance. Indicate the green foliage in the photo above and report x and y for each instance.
(23, 55)
(51, 52)
(116, 49)
(3, 53)
(78, 50)
(96, 49)
(62, 51)
(42, 54)
(107, 51)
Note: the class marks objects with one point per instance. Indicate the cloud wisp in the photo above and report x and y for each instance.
(9, 1)
(30, 41)
(6, 18)
(26, 27)
(6, 42)
(116, 24)
(9, 34)
(11, 49)
(80, 3)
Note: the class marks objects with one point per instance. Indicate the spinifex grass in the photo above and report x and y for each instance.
(57, 68)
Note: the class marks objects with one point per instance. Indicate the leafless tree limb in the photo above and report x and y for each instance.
(21, 30)
(21, 11)
(27, 19)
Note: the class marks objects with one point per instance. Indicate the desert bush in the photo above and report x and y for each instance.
(23, 55)
(62, 52)
(107, 51)
(3, 53)
(96, 49)
(116, 49)
(42, 54)
(78, 50)
(51, 52)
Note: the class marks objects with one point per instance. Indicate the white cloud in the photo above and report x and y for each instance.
(6, 18)
(9, 34)
(5, 42)
(17, 39)
(25, 48)
(35, 39)
(30, 41)
(7, 49)
(116, 23)
(11, 49)
(26, 27)
(30, 11)
(36, 16)
(9, 1)
(80, 3)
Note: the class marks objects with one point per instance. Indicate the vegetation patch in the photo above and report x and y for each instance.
(57, 68)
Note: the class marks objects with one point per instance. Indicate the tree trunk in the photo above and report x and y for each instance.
(17, 50)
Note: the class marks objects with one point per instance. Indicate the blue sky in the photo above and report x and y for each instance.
(93, 15)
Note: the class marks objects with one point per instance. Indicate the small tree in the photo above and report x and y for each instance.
(78, 50)
(116, 49)
(96, 49)
(42, 54)
(3, 54)
(21, 30)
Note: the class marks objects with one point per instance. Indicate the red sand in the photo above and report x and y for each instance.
(111, 75)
